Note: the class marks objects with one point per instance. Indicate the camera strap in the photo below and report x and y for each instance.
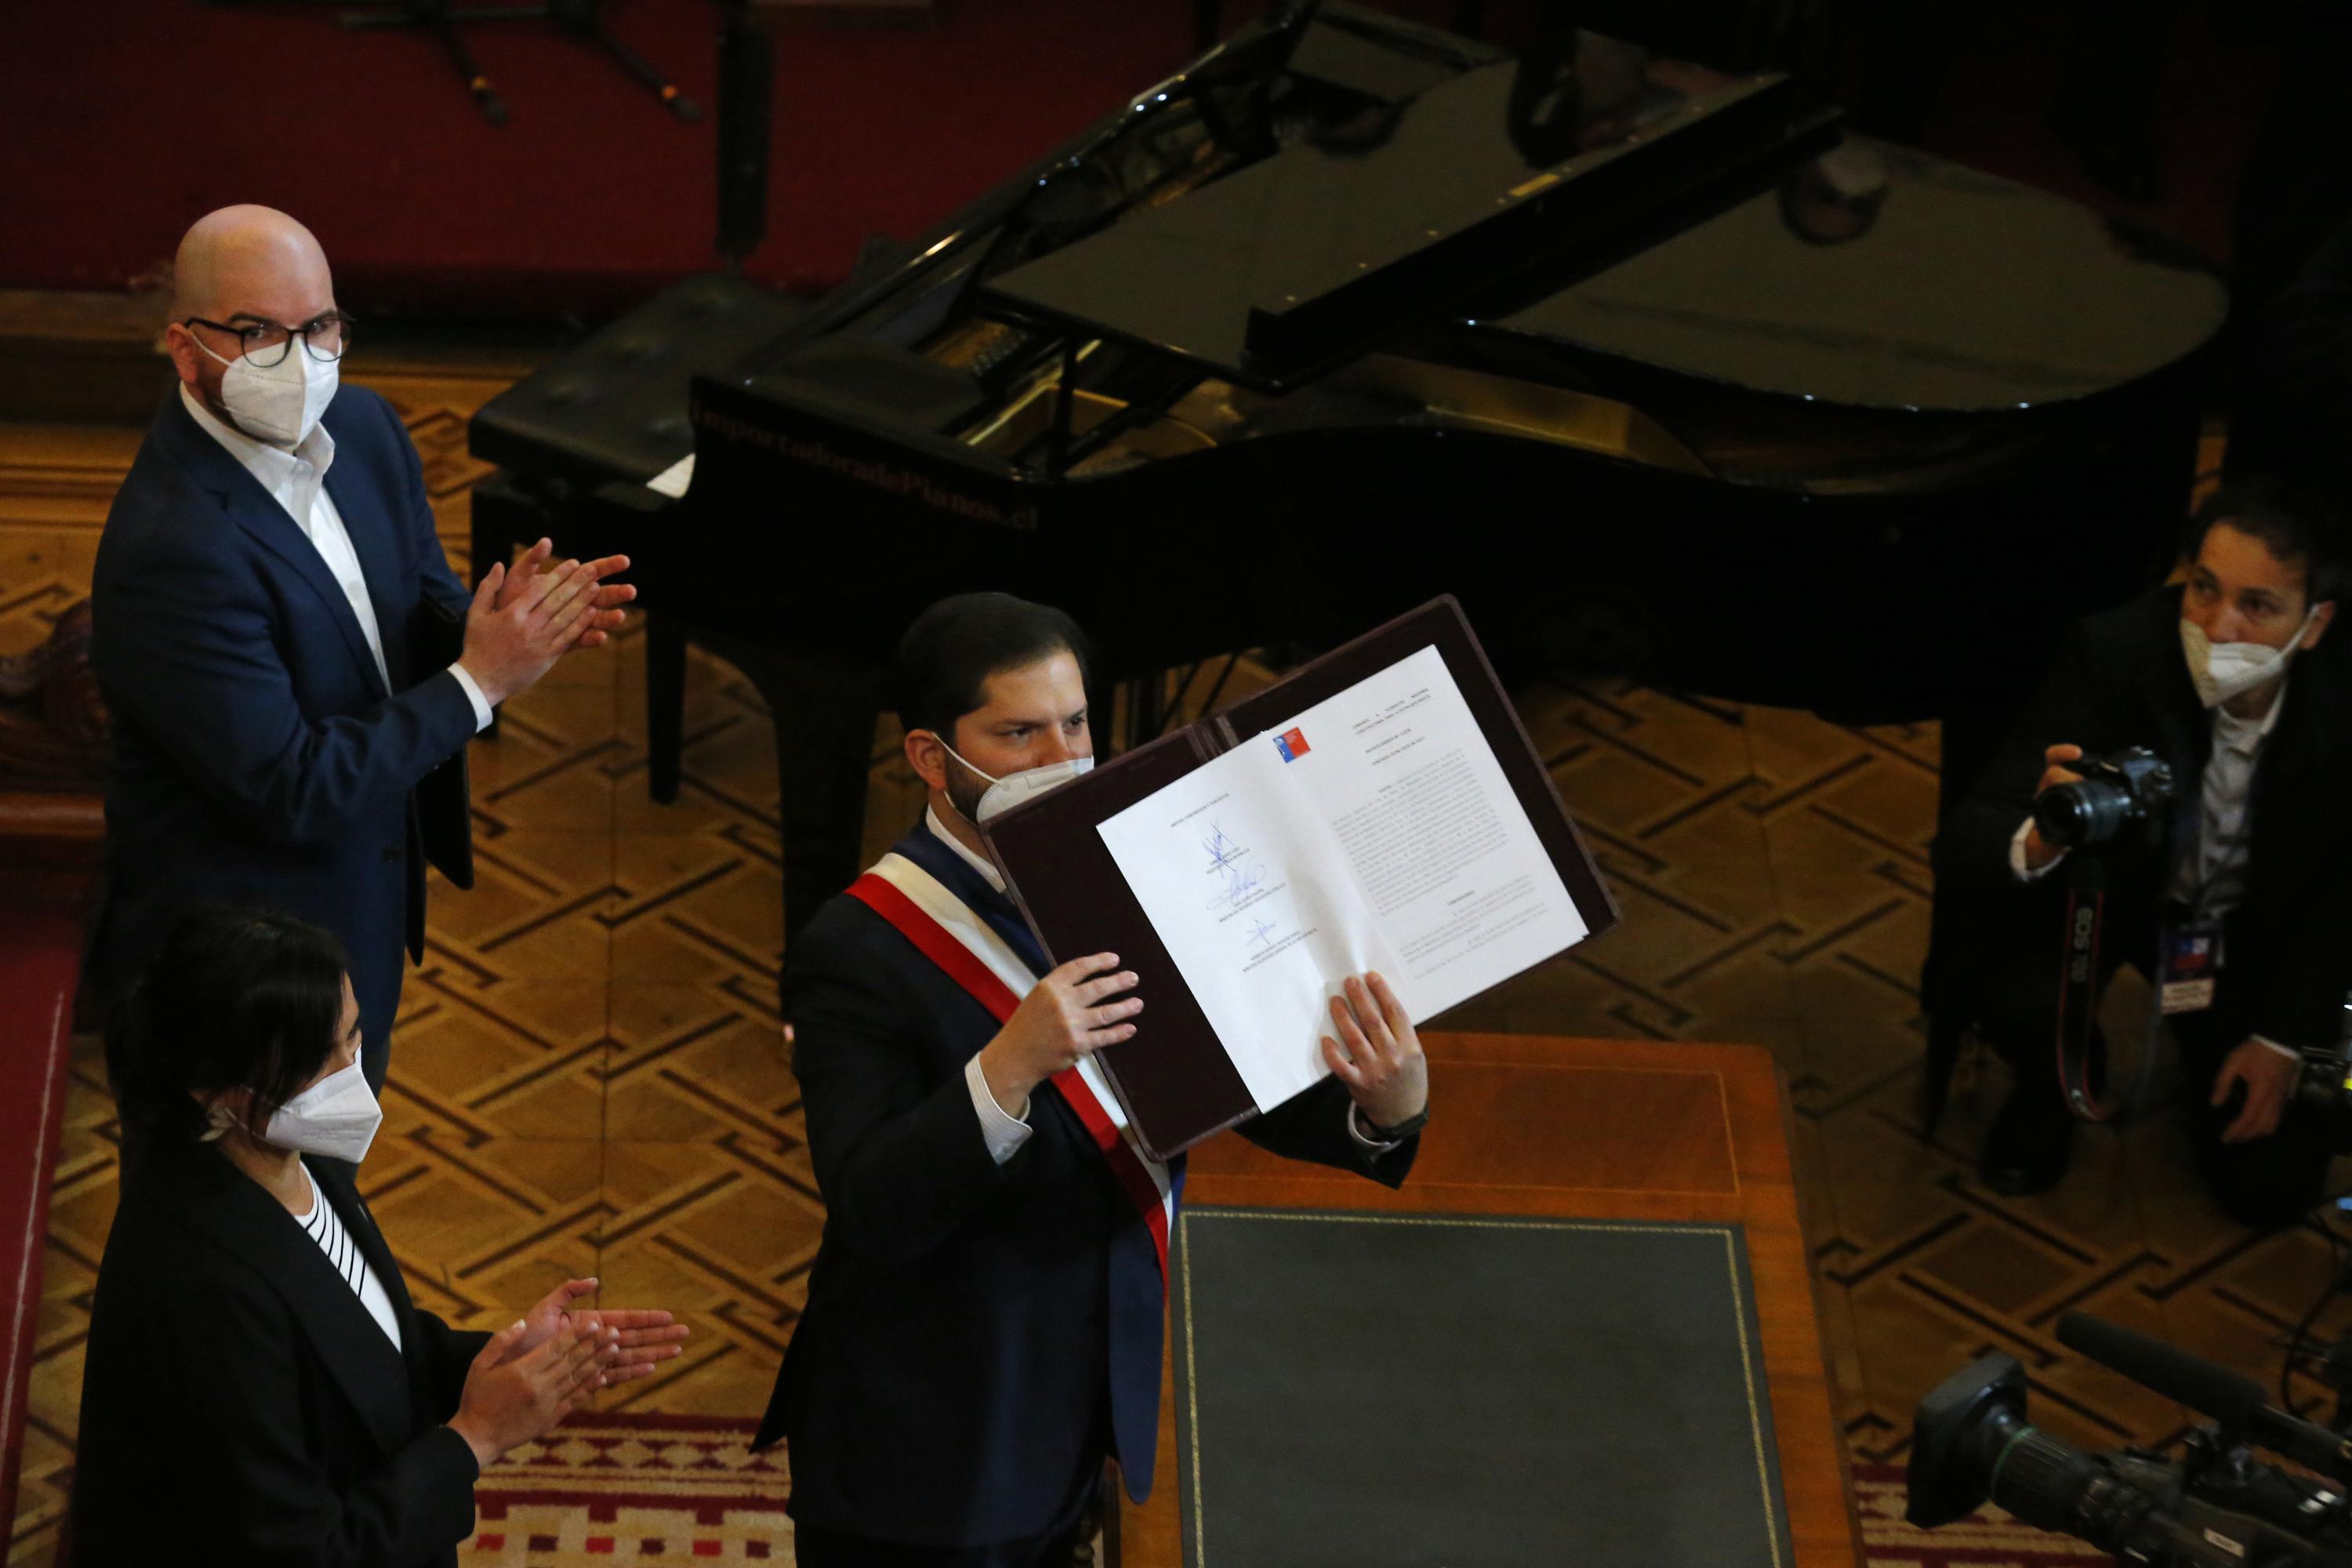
(2078, 987)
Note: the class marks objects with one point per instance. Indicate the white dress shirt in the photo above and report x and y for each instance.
(2212, 874)
(297, 481)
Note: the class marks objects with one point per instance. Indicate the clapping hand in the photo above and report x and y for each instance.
(521, 621)
(510, 1399)
(605, 614)
(645, 1337)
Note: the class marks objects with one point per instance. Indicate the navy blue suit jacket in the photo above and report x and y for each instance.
(257, 757)
(977, 1336)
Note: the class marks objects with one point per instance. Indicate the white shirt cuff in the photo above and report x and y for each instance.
(1005, 1134)
(1364, 1141)
(2287, 1051)
(2017, 866)
(473, 695)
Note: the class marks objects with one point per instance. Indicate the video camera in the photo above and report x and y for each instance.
(2215, 1507)
(2133, 784)
(2325, 1083)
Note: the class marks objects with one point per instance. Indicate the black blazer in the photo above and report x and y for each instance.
(2120, 680)
(257, 755)
(976, 1335)
(240, 1406)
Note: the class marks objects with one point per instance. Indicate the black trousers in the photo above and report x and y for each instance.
(815, 1548)
(378, 994)
(2263, 1183)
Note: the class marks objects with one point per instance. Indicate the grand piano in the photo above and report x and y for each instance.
(1647, 362)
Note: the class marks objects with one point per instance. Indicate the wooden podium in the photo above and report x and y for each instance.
(1594, 1130)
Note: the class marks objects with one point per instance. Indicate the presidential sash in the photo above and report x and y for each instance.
(946, 930)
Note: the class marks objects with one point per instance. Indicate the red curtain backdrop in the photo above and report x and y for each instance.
(123, 121)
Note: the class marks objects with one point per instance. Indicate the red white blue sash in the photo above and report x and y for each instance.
(946, 931)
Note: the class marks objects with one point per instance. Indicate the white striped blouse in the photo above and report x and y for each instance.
(326, 1228)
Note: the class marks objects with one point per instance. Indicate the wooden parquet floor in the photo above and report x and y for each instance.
(587, 1076)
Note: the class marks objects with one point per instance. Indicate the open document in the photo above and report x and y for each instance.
(1374, 830)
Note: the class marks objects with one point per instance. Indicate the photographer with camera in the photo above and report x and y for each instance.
(2196, 742)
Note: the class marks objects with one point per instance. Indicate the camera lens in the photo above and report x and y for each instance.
(2088, 811)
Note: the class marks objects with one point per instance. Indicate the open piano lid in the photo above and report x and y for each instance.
(1310, 256)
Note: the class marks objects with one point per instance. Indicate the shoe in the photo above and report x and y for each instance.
(2026, 1148)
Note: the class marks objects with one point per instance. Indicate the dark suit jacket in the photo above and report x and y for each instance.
(976, 1335)
(2119, 680)
(238, 1404)
(257, 756)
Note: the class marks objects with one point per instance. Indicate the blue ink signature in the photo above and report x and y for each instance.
(1240, 882)
(1223, 852)
(1261, 933)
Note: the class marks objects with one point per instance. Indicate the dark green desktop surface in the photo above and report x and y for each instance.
(1433, 1391)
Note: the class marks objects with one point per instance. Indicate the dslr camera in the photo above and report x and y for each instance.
(2132, 785)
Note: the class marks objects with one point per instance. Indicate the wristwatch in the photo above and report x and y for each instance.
(1371, 1132)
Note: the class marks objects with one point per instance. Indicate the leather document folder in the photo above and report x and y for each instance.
(1175, 1078)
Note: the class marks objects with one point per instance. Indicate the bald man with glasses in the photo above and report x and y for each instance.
(292, 668)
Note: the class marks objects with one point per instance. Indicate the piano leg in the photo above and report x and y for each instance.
(824, 711)
(665, 705)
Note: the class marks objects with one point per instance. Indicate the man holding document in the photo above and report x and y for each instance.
(986, 1314)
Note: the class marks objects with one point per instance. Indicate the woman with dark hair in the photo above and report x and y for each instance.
(258, 1388)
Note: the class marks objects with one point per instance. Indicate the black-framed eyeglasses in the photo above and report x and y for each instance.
(264, 343)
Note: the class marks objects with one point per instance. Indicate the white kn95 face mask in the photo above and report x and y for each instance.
(2223, 671)
(281, 403)
(1003, 793)
(336, 1118)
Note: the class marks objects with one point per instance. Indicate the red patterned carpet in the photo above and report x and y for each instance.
(624, 1487)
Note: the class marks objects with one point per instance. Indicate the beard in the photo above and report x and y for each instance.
(209, 394)
(964, 790)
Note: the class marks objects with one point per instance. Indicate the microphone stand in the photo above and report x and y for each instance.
(747, 75)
